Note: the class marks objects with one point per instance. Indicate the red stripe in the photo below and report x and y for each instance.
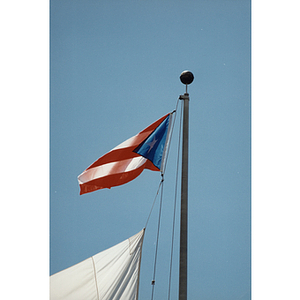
(115, 179)
(155, 124)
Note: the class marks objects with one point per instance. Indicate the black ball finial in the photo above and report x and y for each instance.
(186, 77)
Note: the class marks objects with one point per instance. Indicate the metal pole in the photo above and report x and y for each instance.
(184, 200)
(186, 78)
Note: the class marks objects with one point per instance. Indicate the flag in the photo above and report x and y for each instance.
(146, 150)
(112, 274)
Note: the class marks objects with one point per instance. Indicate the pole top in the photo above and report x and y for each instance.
(186, 77)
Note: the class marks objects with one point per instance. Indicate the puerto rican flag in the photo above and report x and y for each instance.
(146, 150)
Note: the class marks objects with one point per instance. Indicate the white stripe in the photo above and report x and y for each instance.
(106, 169)
(125, 144)
(132, 141)
(135, 163)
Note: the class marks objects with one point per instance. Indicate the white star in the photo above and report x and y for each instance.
(151, 144)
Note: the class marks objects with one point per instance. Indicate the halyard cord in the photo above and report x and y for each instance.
(138, 281)
(157, 238)
(158, 228)
(95, 275)
(153, 203)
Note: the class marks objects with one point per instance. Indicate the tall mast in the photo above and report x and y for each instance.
(186, 78)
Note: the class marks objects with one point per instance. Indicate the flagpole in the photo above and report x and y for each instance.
(186, 78)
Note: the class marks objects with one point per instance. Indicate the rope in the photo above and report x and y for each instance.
(153, 203)
(160, 208)
(174, 211)
(95, 275)
(157, 238)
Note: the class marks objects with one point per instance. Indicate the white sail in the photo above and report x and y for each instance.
(109, 275)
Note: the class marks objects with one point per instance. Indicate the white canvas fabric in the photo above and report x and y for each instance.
(109, 275)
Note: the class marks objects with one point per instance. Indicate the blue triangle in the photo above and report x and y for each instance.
(152, 147)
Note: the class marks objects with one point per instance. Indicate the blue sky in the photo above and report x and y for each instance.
(115, 69)
(275, 123)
